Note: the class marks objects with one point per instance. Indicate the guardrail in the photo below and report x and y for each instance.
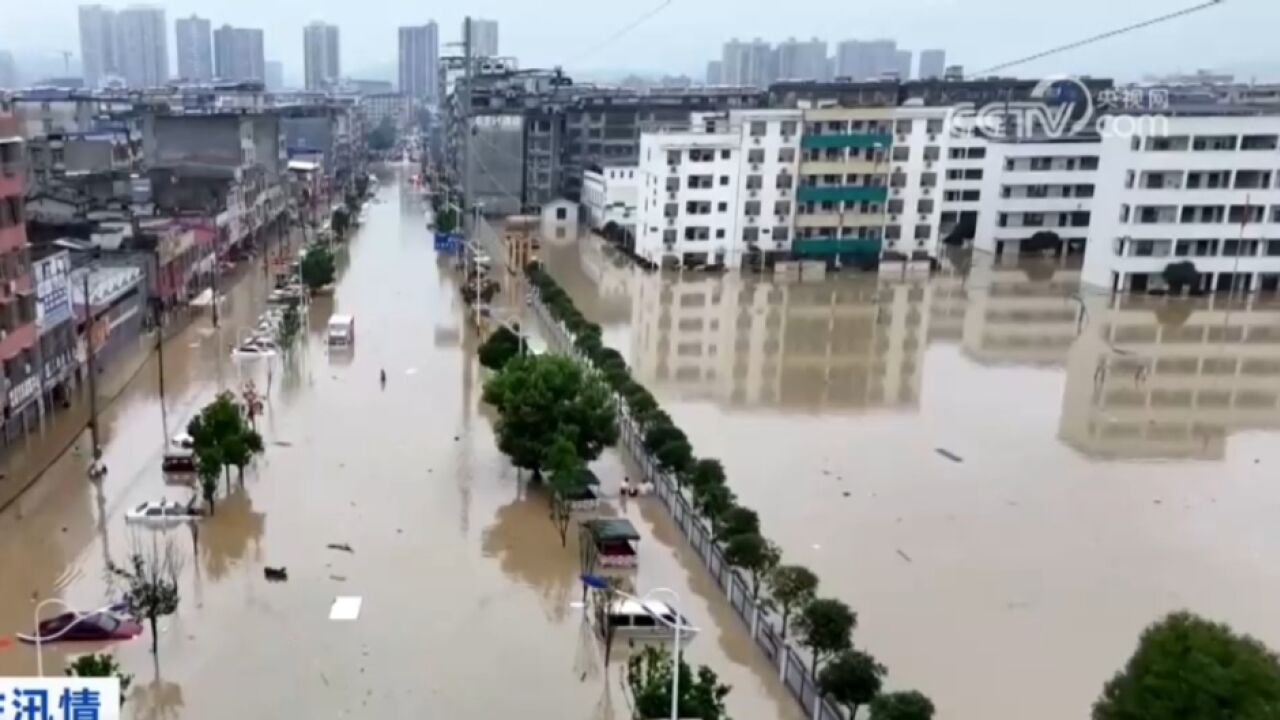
(763, 625)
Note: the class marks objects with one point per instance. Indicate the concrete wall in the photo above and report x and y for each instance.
(192, 140)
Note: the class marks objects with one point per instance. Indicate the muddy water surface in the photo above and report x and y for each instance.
(1005, 475)
(466, 590)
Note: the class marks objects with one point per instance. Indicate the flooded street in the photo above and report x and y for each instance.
(1005, 476)
(466, 590)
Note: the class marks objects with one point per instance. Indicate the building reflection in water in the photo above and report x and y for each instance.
(1158, 378)
(1145, 378)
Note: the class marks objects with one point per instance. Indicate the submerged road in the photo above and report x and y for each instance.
(466, 592)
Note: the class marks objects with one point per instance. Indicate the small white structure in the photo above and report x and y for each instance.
(609, 195)
(560, 220)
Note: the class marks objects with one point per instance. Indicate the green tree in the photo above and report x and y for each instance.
(383, 137)
(542, 397)
(220, 431)
(754, 554)
(792, 586)
(713, 502)
(639, 400)
(1180, 276)
(705, 473)
(661, 433)
(362, 185)
(740, 520)
(289, 328)
(906, 705)
(825, 626)
(209, 469)
(499, 348)
(446, 219)
(318, 267)
(852, 679)
(676, 457)
(649, 677)
(340, 221)
(1189, 668)
(566, 481)
(100, 665)
(152, 584)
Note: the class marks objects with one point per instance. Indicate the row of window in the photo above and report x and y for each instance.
(779, 233)
(702, 207)
(781, 181)
(1201, 180)
(1049, 163)
(11, 211)
(1198, 248)
(1205, 143)
(1046, 191)
(1199, 214)
(1184, 398)
(1035, 219)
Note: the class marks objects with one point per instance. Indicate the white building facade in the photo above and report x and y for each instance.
(721, 192)
(1203, 189)
(609, 195)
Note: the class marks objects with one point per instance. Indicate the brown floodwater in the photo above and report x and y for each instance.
(1105, 461)
(467, 593)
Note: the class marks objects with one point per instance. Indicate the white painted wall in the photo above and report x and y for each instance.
(611, 195)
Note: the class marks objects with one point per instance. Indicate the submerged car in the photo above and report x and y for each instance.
(162, 513)
(97, 626)
(255, 348)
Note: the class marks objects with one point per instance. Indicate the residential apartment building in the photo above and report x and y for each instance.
(1203, 189)
(801, 60)
(395, 107)
(21, 383)
(715, 72)
(933, 63)
(748, 64)
(195, 49)
(321, 55)
(274, 79)
(610, 196)
(238, 54)
(8, 71)
(721, 191)
(142, 46)
(843, 184)
(419, 61)
(902, 64)
(484, 37)
(97, 44)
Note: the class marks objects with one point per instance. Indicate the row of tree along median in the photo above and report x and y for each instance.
(823, 626)
(1236, 671)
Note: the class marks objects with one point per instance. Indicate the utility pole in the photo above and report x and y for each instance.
(158, 301)
(92, 366)
(466, 115)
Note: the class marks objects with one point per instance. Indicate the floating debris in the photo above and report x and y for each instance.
(339, 578)
(282, 443)
(903, 555)
(948, 455)
(340, 546)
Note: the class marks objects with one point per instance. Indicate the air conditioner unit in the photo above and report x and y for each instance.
(928, 164)
(754, 193)
(897, 191)
(902, 137)
(933, 136)
(893, 218)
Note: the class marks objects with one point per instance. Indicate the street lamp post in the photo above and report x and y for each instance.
(40, 638)
(599, 583)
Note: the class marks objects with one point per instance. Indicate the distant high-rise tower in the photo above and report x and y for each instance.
(8, 71)
(195, 53)
(715, 72)
(801, 60)
(484, 37)
(142, 46)
(320, 54)
(238, 54)
(748, 63)
(902, 64)
(419, 60)
(97, 43)
(274, 74)
(933, 63)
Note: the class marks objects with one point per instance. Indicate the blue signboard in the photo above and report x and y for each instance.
(447, 242)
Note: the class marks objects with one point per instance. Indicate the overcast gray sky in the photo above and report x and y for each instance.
(1239, 34)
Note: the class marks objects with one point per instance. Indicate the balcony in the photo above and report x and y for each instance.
(826, 247)
(847, 140)
(838, 193)
(861, 166)
(830, 219)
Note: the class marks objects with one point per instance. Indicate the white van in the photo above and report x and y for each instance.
(342, 330)
(652, 620)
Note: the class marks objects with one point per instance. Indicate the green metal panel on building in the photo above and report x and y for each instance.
(870, 193)
(847, 140)
(808, 247)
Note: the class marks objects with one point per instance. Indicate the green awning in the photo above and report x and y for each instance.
(611, 529)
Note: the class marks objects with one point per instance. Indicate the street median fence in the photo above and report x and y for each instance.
(763, 625)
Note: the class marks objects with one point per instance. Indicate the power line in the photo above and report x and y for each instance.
(621, 31)
(1100, 37)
